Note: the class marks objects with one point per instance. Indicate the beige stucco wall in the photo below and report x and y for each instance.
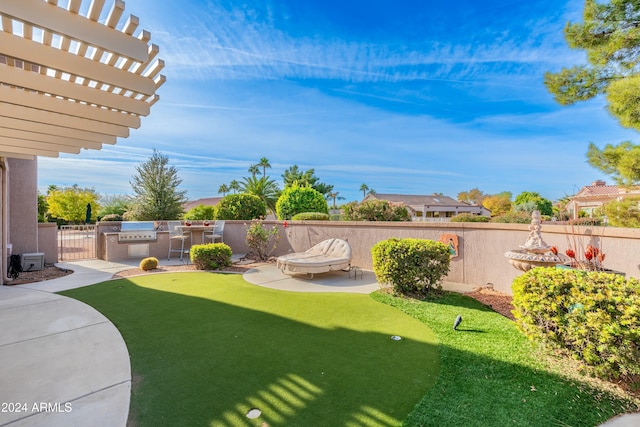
(48, 241)
(23, 205)
(482, 246)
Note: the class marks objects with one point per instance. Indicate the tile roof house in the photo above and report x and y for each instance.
(206, 201)
(69, 80)
(592, 197)
(430, 208)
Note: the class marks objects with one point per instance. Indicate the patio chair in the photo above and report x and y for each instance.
(216, 233)
(328, 255)
(179, 236)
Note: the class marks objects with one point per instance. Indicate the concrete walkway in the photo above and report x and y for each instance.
(65, 364)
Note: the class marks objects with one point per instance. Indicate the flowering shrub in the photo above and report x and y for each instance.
(593, 316)
(258, 239)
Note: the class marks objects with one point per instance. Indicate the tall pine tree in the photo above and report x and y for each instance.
(155, 185)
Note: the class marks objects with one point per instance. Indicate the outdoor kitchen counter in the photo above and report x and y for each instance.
(110, 249)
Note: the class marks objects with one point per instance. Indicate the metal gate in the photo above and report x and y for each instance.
(76, 242)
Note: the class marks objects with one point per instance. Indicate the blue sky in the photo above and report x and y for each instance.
(411, 97)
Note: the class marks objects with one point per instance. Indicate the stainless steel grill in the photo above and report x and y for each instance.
(137, 231)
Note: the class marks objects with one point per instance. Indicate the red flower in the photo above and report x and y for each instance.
(554, 250)
(601, 257)
(570, 253)
(589, 253)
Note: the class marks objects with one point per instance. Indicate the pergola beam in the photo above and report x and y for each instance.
(5, 143)
(48, 117)
(53, 139)
(76, 27)
(9, 122)
(30, 99)
(34, 81)
(38, 53)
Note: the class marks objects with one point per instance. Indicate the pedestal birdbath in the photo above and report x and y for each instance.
(535, 252)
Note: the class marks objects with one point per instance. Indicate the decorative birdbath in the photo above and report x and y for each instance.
(535, 252)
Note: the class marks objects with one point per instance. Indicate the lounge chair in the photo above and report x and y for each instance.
(329, 255)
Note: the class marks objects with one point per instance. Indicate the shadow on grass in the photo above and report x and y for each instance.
(205, 349)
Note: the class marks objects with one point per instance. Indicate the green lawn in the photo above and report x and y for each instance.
(492, 376)
(205, 348)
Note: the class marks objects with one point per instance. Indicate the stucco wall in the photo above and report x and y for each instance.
(23, 205)
(48, 241)
(482, 246)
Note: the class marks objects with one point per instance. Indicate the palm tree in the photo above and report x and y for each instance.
(264, 163)
(234, 185)
(364, 188)
(334, 195)
(253, 170)
(223, 189)
(263, 187)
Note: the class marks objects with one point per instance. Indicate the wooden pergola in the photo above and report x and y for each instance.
(69, 81)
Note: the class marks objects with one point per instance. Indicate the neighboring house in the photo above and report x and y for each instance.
(207, 201)
(592, 197)
(67, 82)
(430, 208)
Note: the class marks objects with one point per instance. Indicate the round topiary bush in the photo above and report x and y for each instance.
(411, 266)
(150, 263)
(296, 199)
(241, 206)
(311, 216)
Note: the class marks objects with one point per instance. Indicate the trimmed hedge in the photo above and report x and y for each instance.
(593, 316)
(311, 216)
(240, 207)
(467, 217)
(211, 256)
(375, 210)
(411, 266)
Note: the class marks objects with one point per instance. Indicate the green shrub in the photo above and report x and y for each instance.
(593, 316)
(149, 264)
(467, 217)
(111, 217)
(375, 210)
(411, 266)
(296, 199)
(258, 239)
(513, 217)
(200, 213)
(210, 256)
(586, 221)
(241, 206)
(311, 216)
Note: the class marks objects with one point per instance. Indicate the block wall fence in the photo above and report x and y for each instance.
(480, 262)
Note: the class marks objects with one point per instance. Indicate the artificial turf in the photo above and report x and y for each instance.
(205, 348)
(492, 376)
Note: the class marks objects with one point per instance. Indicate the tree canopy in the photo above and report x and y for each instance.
(543, 205)
(621, 161)
(70, 203)
(155, 185)
(610, 35)
(473, 196)
(295, 175)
